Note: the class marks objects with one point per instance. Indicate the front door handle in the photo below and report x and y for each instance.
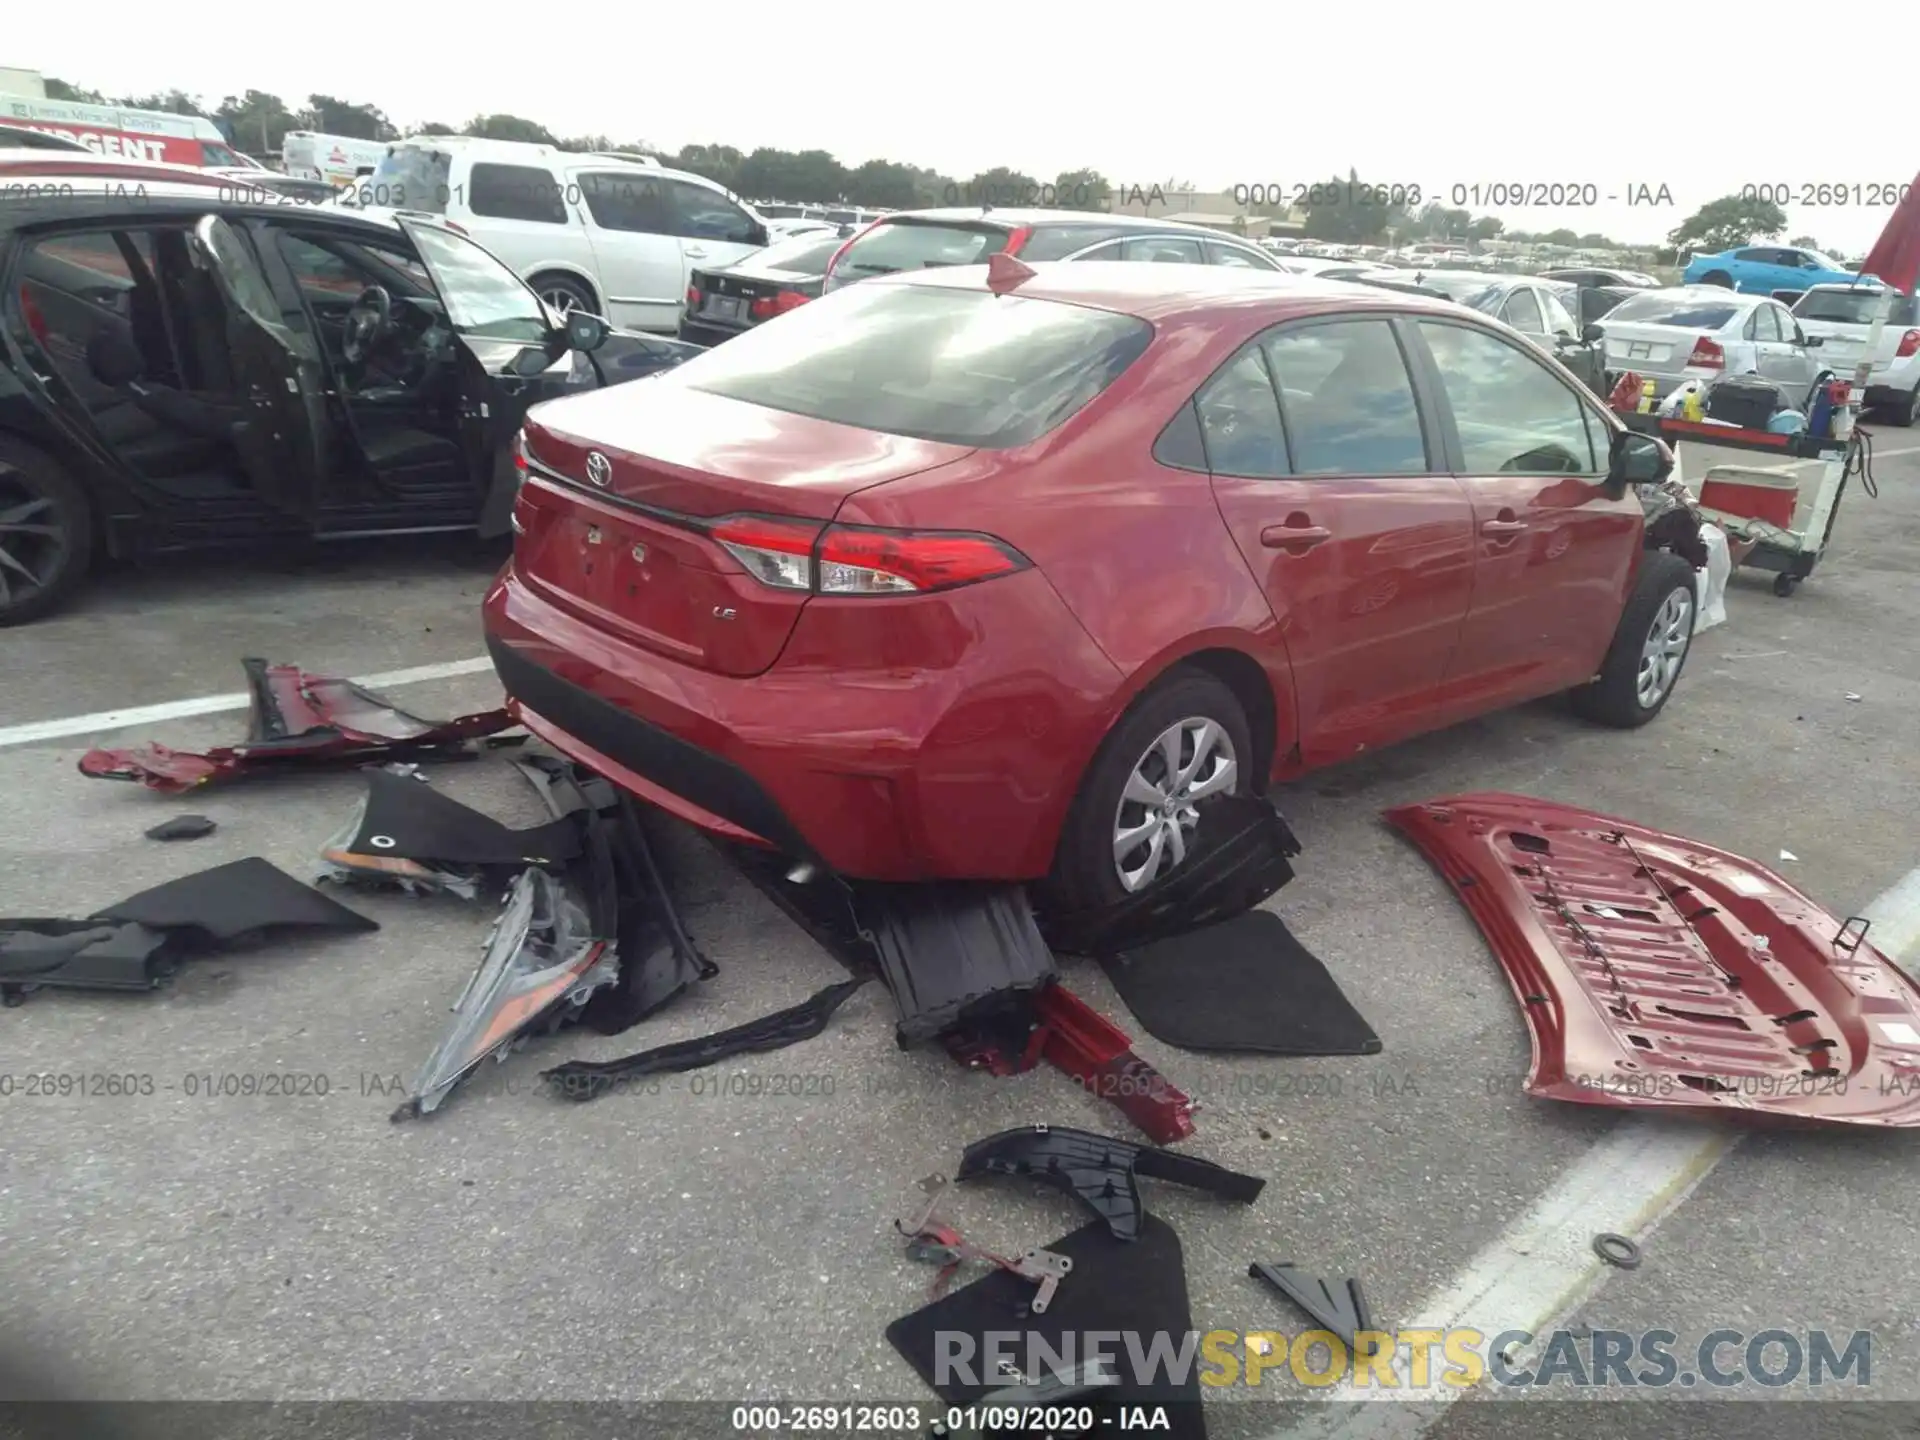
(1502, 527)
(1297, 537)
(693, 252)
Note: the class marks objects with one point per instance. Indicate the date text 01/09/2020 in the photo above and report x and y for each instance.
(1492, 194)
(917, 1420)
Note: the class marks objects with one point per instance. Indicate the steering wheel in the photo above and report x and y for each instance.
(366, 322)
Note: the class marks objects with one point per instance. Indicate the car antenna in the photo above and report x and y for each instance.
(1005, 273)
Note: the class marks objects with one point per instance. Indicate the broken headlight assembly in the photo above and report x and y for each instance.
(541, 964)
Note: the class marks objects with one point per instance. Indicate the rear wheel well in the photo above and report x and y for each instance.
(1242, 674)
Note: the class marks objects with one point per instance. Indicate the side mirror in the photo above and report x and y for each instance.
(586, 332)
(1813, 342)
(1636, 459)
(1593, 333)
(757, 235)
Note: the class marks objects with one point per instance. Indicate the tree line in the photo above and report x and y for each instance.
(258, 122)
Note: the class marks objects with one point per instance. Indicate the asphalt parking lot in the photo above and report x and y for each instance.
(717, 1242)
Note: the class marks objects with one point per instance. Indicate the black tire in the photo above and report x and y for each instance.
(1907, 412)
(40, 497)
(1084, 875)
(554, 285)
(1784, 585)
(1717, 277)
(1615, 698)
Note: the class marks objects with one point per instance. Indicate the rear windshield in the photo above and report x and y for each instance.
(1854, 307)
(407, 178)
(803, 255)
(963, 367)
(892, 246)
(1464, 288)
(1681, 310)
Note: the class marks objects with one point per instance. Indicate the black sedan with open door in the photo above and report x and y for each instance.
(181, 368)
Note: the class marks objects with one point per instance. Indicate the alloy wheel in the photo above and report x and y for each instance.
(1158, 810)
(1665, 647)
(560, 301)
(33, 542)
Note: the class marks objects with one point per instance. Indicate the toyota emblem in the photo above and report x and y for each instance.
(599, 468)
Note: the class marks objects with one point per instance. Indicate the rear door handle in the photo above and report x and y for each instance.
(1289, 537)
(1502, 527)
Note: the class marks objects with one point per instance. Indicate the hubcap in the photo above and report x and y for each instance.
(561, 301)
(1158, 809)
(1665, 648)
(32, 541)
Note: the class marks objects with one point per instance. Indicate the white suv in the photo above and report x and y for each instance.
(616, 235)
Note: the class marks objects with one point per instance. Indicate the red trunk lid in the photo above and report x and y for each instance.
(633, 554)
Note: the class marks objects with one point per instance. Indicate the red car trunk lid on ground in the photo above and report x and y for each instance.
(1657, 971)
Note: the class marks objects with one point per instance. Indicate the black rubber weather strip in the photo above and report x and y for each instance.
(589, 1079)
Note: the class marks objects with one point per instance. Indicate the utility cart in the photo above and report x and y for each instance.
(1776, 496)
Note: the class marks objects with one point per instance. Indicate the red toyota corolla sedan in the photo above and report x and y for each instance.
(996, 574)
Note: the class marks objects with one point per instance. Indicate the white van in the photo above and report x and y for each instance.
(129, 134)
(616, 236)
(337, 159)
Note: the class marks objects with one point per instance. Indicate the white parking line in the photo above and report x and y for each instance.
(35, 731)
(1542, 1266)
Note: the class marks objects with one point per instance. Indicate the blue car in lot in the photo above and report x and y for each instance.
(1763, 269)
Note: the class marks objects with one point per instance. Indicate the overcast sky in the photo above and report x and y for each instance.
(1224, 94)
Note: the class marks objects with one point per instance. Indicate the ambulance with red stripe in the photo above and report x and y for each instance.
(128, 134)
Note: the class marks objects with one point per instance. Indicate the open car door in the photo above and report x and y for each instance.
(283, 440)
(514, 354)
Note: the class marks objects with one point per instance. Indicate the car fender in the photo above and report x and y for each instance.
(1262, 653)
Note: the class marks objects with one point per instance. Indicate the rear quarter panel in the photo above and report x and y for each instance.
(1137, 550)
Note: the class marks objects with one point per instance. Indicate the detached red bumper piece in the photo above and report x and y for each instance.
(1656, 972)
(303, 719)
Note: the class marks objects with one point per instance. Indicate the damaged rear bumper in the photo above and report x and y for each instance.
(1655, 971)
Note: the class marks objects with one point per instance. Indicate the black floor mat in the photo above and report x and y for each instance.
(1116, 1285)
(1243, 985)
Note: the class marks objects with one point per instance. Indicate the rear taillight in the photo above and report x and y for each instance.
(768, 306)
(1016, 240)
(775, 552)
(520, 452)
(1708, 355)
(693, 297)
(1909, 345)
(861, 560)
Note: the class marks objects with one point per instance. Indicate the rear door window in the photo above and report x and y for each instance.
(1240, 420)
(1514, 416)
(1233, 255)
(1167, 249)
(1056, 242)
(698, 213)
(516, 192)
(625, 200)
(1522, 312)
(962, 367)
(1347, 400)
(893, 246)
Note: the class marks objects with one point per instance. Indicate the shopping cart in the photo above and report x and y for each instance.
(1778, 511)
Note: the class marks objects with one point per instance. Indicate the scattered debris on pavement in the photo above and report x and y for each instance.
(137, 943)
(182, 827)
(1339, 1308)
(1101, 1172)
(298, 718)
